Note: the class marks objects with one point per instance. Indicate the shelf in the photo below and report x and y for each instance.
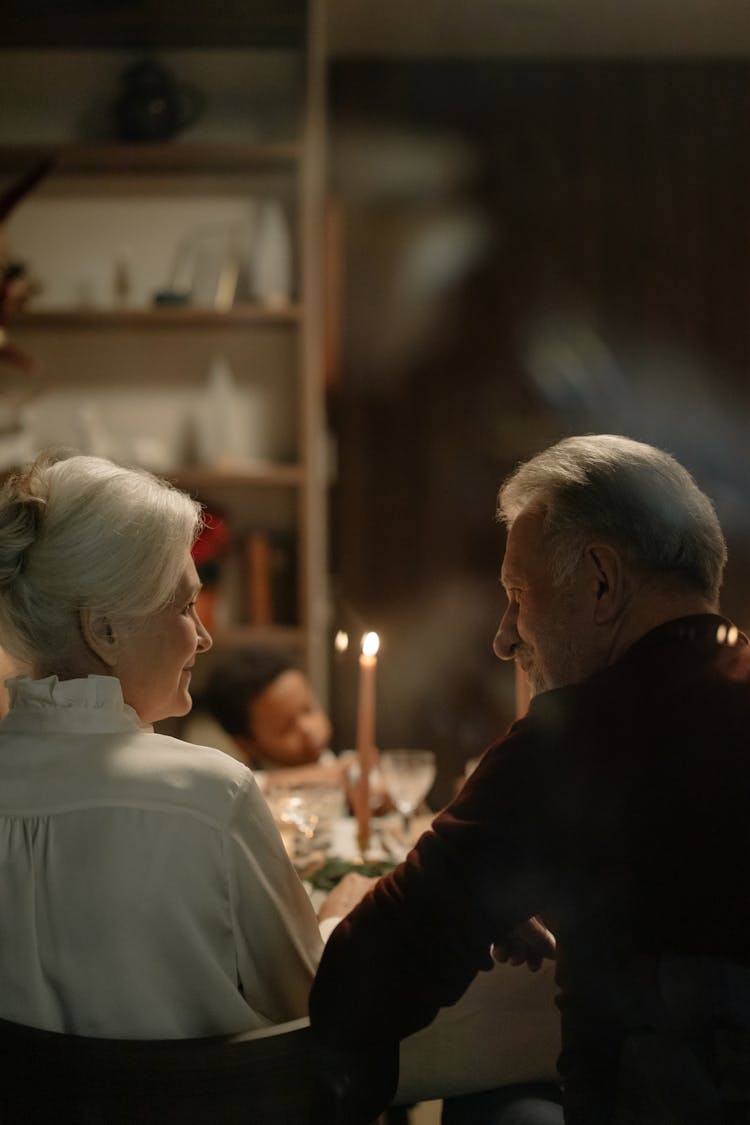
(239, 636)
(152, 168)
(156, 23)
(151, 158)
(178, 316)
(201, 480)
(267, 475)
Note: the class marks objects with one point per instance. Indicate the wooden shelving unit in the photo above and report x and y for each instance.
(145, 349)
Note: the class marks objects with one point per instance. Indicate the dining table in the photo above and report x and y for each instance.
(504, 1029)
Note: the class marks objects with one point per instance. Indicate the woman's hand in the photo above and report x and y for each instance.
(345, 896)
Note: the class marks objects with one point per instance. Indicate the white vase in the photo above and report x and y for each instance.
(221, 432)
(272, 256)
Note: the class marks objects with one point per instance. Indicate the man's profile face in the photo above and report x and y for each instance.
(545, 627)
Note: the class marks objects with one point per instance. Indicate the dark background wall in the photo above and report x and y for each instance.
(529, 249)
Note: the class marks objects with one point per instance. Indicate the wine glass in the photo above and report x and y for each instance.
(408, 776)
(309, 811)
(293, 809)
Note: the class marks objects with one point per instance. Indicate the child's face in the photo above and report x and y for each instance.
(288, 726)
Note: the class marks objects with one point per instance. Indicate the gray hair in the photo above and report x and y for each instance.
(81, 532)
(628, 493)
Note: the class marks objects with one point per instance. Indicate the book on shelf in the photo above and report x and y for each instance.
(270, 579)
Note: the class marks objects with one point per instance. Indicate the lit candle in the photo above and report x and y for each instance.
(366, 734)
(341, 642)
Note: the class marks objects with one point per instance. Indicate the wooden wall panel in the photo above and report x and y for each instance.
(618, 198)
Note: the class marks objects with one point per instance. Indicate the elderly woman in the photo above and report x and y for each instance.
(145, 890)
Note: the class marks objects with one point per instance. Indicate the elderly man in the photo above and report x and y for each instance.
(617, 808)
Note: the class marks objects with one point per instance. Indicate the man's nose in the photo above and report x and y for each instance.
(506, 637)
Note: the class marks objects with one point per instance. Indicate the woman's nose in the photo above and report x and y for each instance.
(506, 637)
(204, 639)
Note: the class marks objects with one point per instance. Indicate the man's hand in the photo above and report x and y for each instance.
(345, 895)
(528, 944)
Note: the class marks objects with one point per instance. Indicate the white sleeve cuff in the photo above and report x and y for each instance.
(327, 926)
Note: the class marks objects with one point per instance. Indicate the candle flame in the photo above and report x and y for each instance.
(370, 644)
(341, 641)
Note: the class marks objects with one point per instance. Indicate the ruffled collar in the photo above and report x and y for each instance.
(96, 702)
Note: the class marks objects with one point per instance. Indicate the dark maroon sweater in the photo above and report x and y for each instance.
(619, 809)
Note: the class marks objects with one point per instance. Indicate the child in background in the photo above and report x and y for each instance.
(260, 707)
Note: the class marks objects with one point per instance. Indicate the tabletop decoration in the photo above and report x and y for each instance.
(151, 105)
(332, 870)
(365, 736)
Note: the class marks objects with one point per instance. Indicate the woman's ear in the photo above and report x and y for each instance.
(608, 578)
(100, 636)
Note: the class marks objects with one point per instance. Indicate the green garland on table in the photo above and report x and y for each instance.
(334, 870)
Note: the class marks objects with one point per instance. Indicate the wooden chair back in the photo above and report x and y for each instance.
(265, 1078)
(277, 1076)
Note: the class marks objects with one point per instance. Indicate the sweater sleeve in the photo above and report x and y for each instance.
(417, 940)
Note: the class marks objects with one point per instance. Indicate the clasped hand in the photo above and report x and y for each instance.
(529, 944)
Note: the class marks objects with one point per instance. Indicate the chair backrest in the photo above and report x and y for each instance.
(692, 1063)
(277, 1076)
(254, 1078)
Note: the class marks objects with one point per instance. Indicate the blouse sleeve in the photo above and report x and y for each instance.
(278, 942)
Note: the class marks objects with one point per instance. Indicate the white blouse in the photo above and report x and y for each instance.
(144, 889)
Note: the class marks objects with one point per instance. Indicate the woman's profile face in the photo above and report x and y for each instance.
(155, 663)
(287, 724)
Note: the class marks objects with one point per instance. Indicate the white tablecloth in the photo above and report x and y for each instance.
(504, 1029)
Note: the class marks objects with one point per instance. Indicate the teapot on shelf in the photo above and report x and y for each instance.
(152, 105)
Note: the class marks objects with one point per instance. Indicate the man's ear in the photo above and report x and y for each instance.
(607, 575)
(100, 636)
